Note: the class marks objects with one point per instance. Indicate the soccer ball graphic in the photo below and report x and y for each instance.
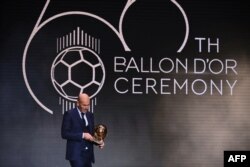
(76, 70)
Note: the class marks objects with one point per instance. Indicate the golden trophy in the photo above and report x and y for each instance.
(100, 133)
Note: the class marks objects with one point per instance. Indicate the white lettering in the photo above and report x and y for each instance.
(115, 85)
(132, 65)
(202, 64)
(231, 86)
(122, 63)
(152, 86)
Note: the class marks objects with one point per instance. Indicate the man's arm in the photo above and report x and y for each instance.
(66, 130)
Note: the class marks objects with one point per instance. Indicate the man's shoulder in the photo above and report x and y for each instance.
(73, 110)
(90, 114)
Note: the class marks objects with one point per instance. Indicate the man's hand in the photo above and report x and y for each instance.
(102, 144)
(88, 136)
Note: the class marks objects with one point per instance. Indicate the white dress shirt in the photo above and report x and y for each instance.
(85, 118)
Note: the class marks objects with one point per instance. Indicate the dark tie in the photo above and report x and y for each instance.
(83, 118)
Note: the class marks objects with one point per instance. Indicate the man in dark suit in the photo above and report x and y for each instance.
(78, 130)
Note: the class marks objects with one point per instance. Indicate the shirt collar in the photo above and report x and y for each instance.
(80, 113)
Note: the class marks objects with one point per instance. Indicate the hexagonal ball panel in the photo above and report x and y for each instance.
(90, 57)
(81, 73)
(71, 56)
(71, 89)
(98, 74)
(91, 89)
(60, 73)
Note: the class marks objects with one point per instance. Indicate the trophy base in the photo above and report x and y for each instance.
(99, 142)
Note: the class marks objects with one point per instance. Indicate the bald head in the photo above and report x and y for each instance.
(83, 102)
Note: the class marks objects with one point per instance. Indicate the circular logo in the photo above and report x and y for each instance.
(76, 70)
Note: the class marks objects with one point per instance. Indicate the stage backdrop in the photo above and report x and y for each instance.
(170, 79)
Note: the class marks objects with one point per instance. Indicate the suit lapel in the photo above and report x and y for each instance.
(77, 116)
(79, 119)
(90, 121)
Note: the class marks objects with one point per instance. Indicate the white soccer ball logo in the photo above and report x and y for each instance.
(76, 70)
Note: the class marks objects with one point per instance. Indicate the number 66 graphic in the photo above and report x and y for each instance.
(119, 33)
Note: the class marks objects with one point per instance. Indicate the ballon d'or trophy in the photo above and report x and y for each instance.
(100, 133)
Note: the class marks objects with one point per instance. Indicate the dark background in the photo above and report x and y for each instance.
(143, 130)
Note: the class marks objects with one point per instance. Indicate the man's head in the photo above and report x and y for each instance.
(83, 102)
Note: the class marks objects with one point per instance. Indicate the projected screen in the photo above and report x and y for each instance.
(169, 79)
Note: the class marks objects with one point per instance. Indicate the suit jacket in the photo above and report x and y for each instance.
(72, 129)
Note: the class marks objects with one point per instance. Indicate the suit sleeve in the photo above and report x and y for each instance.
(66, 131)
